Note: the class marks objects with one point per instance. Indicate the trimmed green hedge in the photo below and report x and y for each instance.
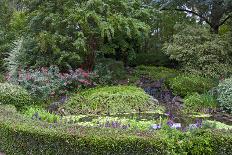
(23, 136)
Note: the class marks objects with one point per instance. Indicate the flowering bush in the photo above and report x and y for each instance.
(46, 82)
(13, 94)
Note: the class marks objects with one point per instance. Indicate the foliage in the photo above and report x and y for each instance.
(215, 13)
(2, 78)
(108, 71)
(200, 52)
(216, 125)
(15, 58)
(39, 113)
(225, 94)
(46, 82)
(156, 73)
(199, 102)
(18, 23)
(5, 34)
(111, 100)
(15, 95)
(185, 84)
(68, 33)
(150, 59)
(41, 138)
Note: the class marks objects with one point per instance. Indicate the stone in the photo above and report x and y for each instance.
(156, 126)
(154, 100)
(193, 126)
(176, 125)
(54, 107)
(177, 99)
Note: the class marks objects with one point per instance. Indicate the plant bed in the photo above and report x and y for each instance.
(21, 135)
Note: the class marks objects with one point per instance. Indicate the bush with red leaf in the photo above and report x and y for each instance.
(50, 82)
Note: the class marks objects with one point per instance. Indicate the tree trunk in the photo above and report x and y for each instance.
(216, 15)
(214, 29)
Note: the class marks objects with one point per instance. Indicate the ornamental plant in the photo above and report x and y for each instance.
(111, 100)
(200, 102)
(225, 94)
(186, 84)
(200, 52)
(46, 82)
(14, 94)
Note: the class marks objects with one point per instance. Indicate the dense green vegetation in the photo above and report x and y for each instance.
(116, 99)
(42, 138)
(115, 77)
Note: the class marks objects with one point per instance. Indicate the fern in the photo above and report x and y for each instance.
(12, 62)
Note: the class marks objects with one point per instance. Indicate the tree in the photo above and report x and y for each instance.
(5, 34)
(200, 52)
(213, 12)
(69, 32)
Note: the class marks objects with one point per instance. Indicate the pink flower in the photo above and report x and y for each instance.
(8, 77)
(84, 82)
(28, 76)
(85, 74)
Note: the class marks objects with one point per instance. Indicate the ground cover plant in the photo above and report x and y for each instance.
(189, 83)
(111, 100)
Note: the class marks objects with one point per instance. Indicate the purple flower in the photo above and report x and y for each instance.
(107, 124)
(199, 122)
(114, 124)
(124, 127)
(170, 123)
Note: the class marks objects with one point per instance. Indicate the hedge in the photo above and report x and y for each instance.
(23, 136)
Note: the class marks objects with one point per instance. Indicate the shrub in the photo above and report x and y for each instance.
(225, 94)
(156, 73)
(188, 83)
(150, 59)
(13, 94)
(2, 78)
(76, 104)
(115, 99)
(199, 102)
(200, 52)
(109, 71)
(46, 82)
(21, 135)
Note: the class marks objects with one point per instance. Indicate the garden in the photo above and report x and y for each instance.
(115, 77)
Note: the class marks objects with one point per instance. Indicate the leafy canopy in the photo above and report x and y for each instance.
(65, 32)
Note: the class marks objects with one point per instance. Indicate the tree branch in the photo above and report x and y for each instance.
(228, 17)
(192, 12)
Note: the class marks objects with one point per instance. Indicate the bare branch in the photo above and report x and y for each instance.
(228, 17)
(192, 12)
